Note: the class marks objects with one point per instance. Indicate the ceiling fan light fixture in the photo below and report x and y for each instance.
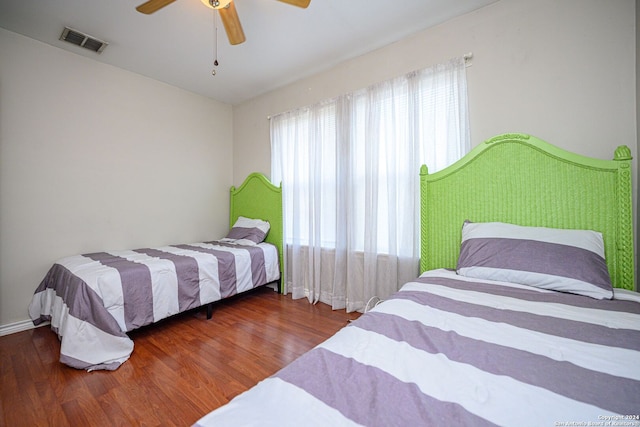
(216, 4)
(226, 9)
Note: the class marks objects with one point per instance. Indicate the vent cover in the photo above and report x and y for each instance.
(83, 40)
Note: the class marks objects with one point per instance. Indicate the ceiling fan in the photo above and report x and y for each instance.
(227, 10)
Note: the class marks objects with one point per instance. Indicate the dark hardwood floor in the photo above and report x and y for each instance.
(180, 369)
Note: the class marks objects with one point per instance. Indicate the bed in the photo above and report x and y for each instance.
(93, 300)
(511, 320)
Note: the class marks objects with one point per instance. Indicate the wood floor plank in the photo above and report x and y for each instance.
(181, 368)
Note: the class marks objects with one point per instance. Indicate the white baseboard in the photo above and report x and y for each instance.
(12, 328)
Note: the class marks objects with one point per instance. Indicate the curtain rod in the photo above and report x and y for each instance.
(467, 59)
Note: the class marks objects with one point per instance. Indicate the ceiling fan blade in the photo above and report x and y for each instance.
(153, 5)
(299, 3)
(231, 22)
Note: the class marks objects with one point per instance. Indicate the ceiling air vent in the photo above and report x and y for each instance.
(83, 40)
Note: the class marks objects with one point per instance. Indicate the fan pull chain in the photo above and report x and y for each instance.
(215, 42)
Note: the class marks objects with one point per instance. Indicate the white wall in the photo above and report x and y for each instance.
(95, 158)
(563, 71)
(637, 217)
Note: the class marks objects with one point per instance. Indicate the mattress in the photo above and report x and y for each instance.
(92, 300)
(450, 350)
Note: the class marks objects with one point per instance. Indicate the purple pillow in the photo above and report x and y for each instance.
(562, 260)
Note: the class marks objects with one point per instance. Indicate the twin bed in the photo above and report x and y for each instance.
(523, 312)
(93, 300)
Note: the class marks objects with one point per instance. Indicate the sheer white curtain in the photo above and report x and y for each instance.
(349, 171)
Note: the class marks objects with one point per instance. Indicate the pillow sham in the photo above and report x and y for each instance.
(562, 260)
(626, 295)
(248, 231)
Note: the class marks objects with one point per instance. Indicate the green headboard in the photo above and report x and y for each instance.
(520, 179)
(258, 198)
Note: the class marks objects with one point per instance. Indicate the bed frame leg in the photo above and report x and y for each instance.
(209, 310)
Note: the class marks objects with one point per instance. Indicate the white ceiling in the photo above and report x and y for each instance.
(176, 44)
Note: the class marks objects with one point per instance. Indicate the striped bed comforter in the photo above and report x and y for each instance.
(447, 350)
(92, 300)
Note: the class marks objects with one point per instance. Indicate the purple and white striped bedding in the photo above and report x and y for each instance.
(92, 300)
(451, 350)
(550, 258)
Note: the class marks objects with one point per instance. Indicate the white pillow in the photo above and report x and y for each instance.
(570, 261)
(626, 295)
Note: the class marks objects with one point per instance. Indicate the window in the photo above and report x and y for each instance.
(349, 168)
